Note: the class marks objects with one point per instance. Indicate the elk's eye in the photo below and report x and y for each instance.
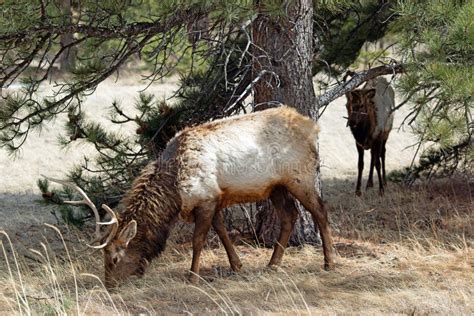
(115, 260)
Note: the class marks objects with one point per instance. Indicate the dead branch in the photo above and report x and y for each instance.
(357, 79)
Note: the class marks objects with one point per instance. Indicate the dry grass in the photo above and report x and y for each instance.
(410, 252)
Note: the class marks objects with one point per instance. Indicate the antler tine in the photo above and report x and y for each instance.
(86, 200)
(112, 214)
(114, 228)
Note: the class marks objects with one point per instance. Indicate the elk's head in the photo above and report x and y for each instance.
(123, 255)
(359, 104)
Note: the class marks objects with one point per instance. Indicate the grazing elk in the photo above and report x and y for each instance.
(203, 169)
(370, 118)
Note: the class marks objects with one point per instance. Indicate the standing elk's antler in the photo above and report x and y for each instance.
(87, 201)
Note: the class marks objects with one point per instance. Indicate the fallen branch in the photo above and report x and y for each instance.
(358, 78)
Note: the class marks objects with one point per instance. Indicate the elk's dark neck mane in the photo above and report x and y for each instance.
(154, 202)
(362, 134)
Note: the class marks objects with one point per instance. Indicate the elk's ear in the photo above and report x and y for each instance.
(370, 93)
(128, 233)
(353, 95)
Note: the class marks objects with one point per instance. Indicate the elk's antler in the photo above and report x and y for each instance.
(87, 201)
(113, 221)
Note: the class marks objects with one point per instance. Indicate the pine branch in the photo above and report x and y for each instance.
(108, 32)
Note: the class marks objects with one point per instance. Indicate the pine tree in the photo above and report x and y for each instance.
(285, 37)
(293, 36)
(436, 40)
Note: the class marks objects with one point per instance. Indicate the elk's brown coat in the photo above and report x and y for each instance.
(370, 118)
(271, 153)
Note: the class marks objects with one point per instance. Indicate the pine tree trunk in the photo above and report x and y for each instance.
(283, 56)
(68, 57)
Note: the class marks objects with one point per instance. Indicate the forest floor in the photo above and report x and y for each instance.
(408, 252)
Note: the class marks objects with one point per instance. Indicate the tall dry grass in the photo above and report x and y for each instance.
(409, 252)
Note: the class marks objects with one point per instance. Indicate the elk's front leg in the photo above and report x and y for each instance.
(203, 221)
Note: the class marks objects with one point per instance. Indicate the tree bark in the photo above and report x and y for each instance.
(68, 57)
(282, 53)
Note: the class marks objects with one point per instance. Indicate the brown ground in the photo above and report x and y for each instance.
(409, 252)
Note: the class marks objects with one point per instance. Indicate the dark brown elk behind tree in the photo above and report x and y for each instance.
(203, 169)
(370, 118)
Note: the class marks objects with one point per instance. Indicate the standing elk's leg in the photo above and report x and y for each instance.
(383, 162)
(203, 220)
(360, 165)
(307, 195)
(219, 227)
(287, 212)
(370, 181)
(377, 148)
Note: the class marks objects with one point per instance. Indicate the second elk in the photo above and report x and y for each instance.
(370, 118)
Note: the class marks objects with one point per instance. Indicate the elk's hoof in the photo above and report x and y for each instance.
(329, 266)
(236, 266)
(381, 192)
(370, 184)
(274, 261)
(358, 193)
(193, 278)
(272, 267)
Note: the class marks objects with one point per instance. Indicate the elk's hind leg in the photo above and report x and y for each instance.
(377, 150)
(203, 219)
(287, 212)
(360, 166)
(307, 195)
(370, 180)
(219, 227)
(383, 162)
